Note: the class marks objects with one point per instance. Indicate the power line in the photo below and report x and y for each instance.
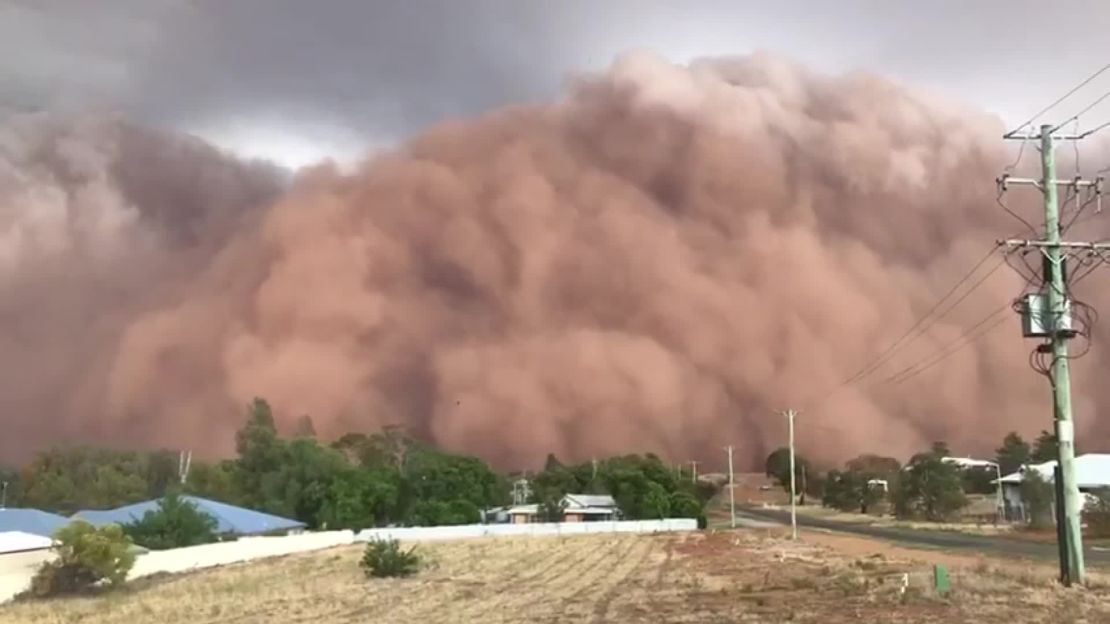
(1073, 90)
(919, 325)
(1076, 116)
(887, 353)
(964, 339)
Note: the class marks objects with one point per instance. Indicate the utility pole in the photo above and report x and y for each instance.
(4, 495)
(731, 489)
(790, 414)
(694, 467)
(1057, 330)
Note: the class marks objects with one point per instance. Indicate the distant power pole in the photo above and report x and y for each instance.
(731, 489)
(184, 462)
(694, 468)
(1054, 324)
(790, 414)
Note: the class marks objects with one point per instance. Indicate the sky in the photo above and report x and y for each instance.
(296, 81)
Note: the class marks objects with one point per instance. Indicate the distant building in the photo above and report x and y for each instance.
(1092, 473)
(576, 508)
(32, 521)
(230, 520)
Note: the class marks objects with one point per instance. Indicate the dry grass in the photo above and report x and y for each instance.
(716, 577)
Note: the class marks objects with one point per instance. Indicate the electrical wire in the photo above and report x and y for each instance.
(1013, 214)
(964, 339)
(920, 325)
(1073, 90)
(1085, 110)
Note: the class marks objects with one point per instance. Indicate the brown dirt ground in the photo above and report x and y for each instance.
(724, 576)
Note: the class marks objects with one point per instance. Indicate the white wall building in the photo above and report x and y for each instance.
(1092, 473)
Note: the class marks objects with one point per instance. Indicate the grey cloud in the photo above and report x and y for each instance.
(381, 70)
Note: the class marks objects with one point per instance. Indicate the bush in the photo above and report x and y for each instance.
(175, 524)
(386, 558)
(86, 557)
(1038, 496)
(1097, 515)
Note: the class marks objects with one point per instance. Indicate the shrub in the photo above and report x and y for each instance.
(86, 556)
(386, 558)
(1097, 515)
(175, 524)
(1038, 496)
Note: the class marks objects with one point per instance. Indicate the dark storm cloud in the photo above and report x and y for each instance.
(378, 70)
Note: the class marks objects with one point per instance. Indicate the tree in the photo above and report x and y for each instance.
(874, 466)
(979, 480)
(1013, 454)
(216, 481)
(1097, 516)
(1037, 497)
(362, 498)
(940, 449)
(777, 465)
(550, 509)
(355, 447)
(552, 463)
(85, 556)
(305, 427)
(160, 473)
(929, 488)
(260, 453)
(11, 484)
(1045, 448)
(299, 486)
(657, 503)
(850, 491)
(67, 480)
(175, 524)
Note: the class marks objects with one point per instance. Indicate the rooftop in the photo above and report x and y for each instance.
(31, 521)
(1092, 471)
(229, 518)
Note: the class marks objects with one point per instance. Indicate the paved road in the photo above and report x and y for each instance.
(929, 539)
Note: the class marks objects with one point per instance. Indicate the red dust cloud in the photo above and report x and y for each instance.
(657, 262)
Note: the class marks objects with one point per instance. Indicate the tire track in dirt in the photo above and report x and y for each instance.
(621, 579)
(459, 581)
(583, 588)
(542, 595)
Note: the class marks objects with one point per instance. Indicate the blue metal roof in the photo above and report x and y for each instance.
(229, 518)
(31, 521)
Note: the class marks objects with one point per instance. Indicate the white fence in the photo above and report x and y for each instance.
(16, 572)
(419, 534)
(243, 549)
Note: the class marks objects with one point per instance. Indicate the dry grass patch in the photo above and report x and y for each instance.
(706, 577)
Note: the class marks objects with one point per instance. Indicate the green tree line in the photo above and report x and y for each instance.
(358, 481)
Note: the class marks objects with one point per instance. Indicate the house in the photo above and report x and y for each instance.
(576, 508)
(230, 520)
(1092, 473)
(589, 508)
(31, 521)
